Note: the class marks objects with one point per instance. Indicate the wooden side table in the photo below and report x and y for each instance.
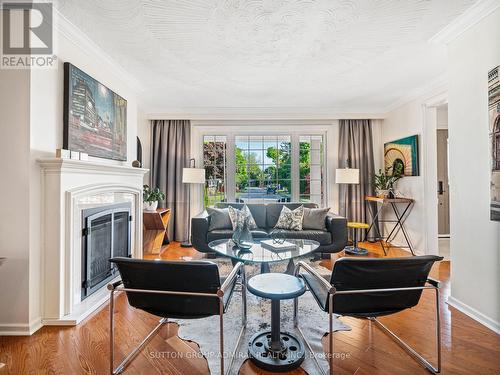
(398, 223)
(155, 226)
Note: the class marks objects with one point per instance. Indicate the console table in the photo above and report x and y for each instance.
(401, 217)
(155, 225)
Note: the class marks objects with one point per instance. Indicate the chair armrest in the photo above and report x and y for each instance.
(337, 226)
(434, 282)
(325, 284)
(233, 276)
(113, 286)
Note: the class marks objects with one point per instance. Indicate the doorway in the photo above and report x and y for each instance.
(443, 194)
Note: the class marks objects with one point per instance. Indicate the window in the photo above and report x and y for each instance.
(255, 168)
(214, 161)
(263, 168)
(311, 169)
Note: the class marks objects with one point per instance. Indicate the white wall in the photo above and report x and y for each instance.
(475, 240)
(14, 198)
(42, 108)
(406, 120)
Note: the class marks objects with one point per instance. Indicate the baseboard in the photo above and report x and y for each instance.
(21, 329)
(474, 314)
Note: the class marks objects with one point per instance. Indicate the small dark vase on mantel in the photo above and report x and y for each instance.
(242, 237)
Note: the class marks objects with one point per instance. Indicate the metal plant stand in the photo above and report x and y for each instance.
(398, 222)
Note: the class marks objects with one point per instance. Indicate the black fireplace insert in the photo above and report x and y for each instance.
(105, 234)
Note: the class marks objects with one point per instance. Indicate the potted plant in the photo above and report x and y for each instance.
(385, 181)
(151, 197)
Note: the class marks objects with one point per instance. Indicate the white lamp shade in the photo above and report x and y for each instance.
(193, 175)
(347, 176)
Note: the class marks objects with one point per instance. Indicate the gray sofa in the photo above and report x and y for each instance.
(332, 240)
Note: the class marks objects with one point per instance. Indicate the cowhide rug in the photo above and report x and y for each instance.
(312, 320)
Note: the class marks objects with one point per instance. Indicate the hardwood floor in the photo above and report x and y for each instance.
(468, 347)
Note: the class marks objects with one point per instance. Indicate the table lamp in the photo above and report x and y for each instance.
(191, 175)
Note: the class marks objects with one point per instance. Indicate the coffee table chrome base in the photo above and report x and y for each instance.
(288, 355)
(355, 250)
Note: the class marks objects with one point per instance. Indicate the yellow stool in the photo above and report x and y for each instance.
(355, 250)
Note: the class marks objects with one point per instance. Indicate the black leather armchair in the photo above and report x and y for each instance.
(173, 289)
(373, 287)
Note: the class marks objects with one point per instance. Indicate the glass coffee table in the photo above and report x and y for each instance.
(262, 255)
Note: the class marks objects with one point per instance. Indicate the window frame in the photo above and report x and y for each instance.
(293, 133)
(205, 188)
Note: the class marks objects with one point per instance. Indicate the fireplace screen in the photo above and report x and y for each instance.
(106, 234)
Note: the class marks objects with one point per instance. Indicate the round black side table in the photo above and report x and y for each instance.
(275, 350)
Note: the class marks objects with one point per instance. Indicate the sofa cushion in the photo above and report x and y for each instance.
(315, 218)
(273, 211)
(258, 211)
(323, 237)
(291, 220)
(221, 234)
(219, 218)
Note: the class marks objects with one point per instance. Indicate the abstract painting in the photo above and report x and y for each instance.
(494, 131)
(403, 152)
(95, 117)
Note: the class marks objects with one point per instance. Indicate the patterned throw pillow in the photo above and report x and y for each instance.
(290, 220)
(238, 217)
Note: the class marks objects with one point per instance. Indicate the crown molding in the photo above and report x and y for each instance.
(435, 87)
(425, 92)
(465, 21)
(259, 113)
(80, 39)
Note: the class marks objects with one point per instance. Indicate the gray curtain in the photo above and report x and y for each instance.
(356, 151)
(171, 151)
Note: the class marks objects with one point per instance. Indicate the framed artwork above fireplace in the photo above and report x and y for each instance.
(95, 117)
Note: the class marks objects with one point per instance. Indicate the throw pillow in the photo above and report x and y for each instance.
(290, 220)
(219, 218)
(238, 217)
(315, 218)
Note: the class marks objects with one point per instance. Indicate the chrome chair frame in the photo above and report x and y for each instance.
(237, 272)
(332, 292)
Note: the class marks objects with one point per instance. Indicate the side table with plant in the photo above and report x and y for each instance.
(151, 197)
(385, 181)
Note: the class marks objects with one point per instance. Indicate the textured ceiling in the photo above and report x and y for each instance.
(348, 55)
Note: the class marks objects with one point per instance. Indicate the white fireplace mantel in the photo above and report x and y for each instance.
(68, 186)
(56, 165)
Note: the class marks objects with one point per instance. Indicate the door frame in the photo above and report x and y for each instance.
(429, 149)
(445, 235)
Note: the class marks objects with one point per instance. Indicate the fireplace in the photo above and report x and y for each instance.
(75, 193)
(106, 233)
